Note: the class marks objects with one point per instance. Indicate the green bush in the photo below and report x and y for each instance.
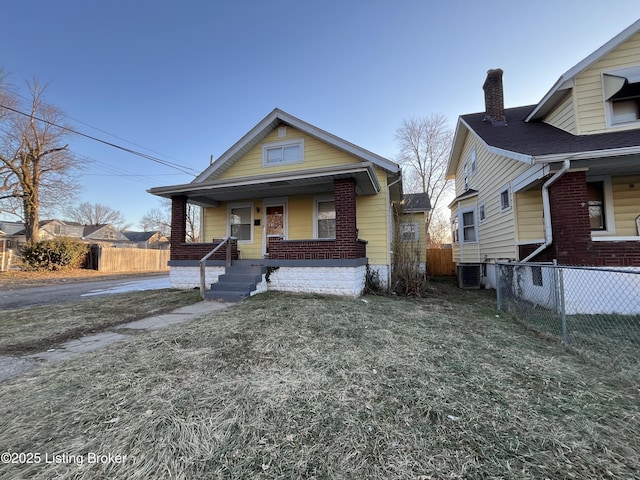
(56, 254)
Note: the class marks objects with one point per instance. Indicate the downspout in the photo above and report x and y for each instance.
(460, 247)
(390, 227)
(546, 208)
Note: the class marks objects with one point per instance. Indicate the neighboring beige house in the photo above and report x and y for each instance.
(311, 208)
(147, 240)
(103, 234)
(556, 180)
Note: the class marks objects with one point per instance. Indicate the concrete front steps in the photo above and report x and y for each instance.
(238, 282)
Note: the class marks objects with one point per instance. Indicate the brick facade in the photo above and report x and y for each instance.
(572, 243)
(195, 251)
(345, 246)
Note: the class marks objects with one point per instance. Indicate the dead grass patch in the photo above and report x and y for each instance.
(287, 386)
(36, 329)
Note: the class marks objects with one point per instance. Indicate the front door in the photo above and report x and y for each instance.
(274, 222)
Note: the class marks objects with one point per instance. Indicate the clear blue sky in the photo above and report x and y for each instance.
(185, 80)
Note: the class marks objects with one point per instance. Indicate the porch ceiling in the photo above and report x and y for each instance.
(626, 165)
(274, 185)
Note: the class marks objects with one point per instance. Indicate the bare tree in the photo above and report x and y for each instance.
(424, 144)
(36, 166)
(95, 214)
(160, 219)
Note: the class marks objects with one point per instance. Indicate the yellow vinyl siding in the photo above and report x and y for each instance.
(317, 154)
(588, 87)
(529, 215)
(497, 232)
(301, 216)
(214, 222)
(563, 116)
(421, 245)
(626, 204)
(372, 222)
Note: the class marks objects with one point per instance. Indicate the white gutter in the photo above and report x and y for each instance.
(546, 208)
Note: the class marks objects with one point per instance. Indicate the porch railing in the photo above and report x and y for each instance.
(203, 260)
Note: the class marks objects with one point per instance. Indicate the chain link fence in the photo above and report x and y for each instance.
(594, 310)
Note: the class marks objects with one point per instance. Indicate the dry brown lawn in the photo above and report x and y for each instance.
(304, 387)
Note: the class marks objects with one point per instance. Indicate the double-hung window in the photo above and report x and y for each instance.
(409, 232)
(505, 198)
(325, 221)
(455, 234)
(469, 232)
(240, 222)
(595, 192)
(600, 204)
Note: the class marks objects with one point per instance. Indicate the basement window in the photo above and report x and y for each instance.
(536, 275)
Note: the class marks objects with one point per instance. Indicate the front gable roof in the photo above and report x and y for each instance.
(269, 124)
(212, 187)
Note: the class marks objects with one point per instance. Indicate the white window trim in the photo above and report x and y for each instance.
(316, 200)
(461, 225)
(482, 207)
(416, 232)
(240, 205)
(284, 143)
(465, 175)
(608, 109)
(473, 161)
(609, 218)
(506, 188)
(455, 228)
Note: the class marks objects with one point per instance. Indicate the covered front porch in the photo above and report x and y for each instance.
(594, 214)
(304, 232)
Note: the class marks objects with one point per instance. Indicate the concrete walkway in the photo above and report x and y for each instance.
(11, 366)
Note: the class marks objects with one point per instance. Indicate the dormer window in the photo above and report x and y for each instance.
(622, 94)
(282, 153)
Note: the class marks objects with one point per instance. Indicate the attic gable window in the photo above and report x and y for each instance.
(282, 153)
(622, 95)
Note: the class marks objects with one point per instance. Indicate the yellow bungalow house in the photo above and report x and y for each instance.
(556, 180)
(305, 211)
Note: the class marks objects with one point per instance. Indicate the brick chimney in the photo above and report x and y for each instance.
(494, 98)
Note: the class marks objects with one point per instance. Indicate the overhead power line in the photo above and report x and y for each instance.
(166, 163)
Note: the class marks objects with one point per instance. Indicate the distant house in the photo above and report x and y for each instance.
(412, 224)
(103, 233)
(153, 240)
(556, 180)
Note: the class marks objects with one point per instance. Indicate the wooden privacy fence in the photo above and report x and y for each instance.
(440, 262)
(108, 259)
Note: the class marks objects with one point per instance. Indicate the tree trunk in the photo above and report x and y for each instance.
(31, 214)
